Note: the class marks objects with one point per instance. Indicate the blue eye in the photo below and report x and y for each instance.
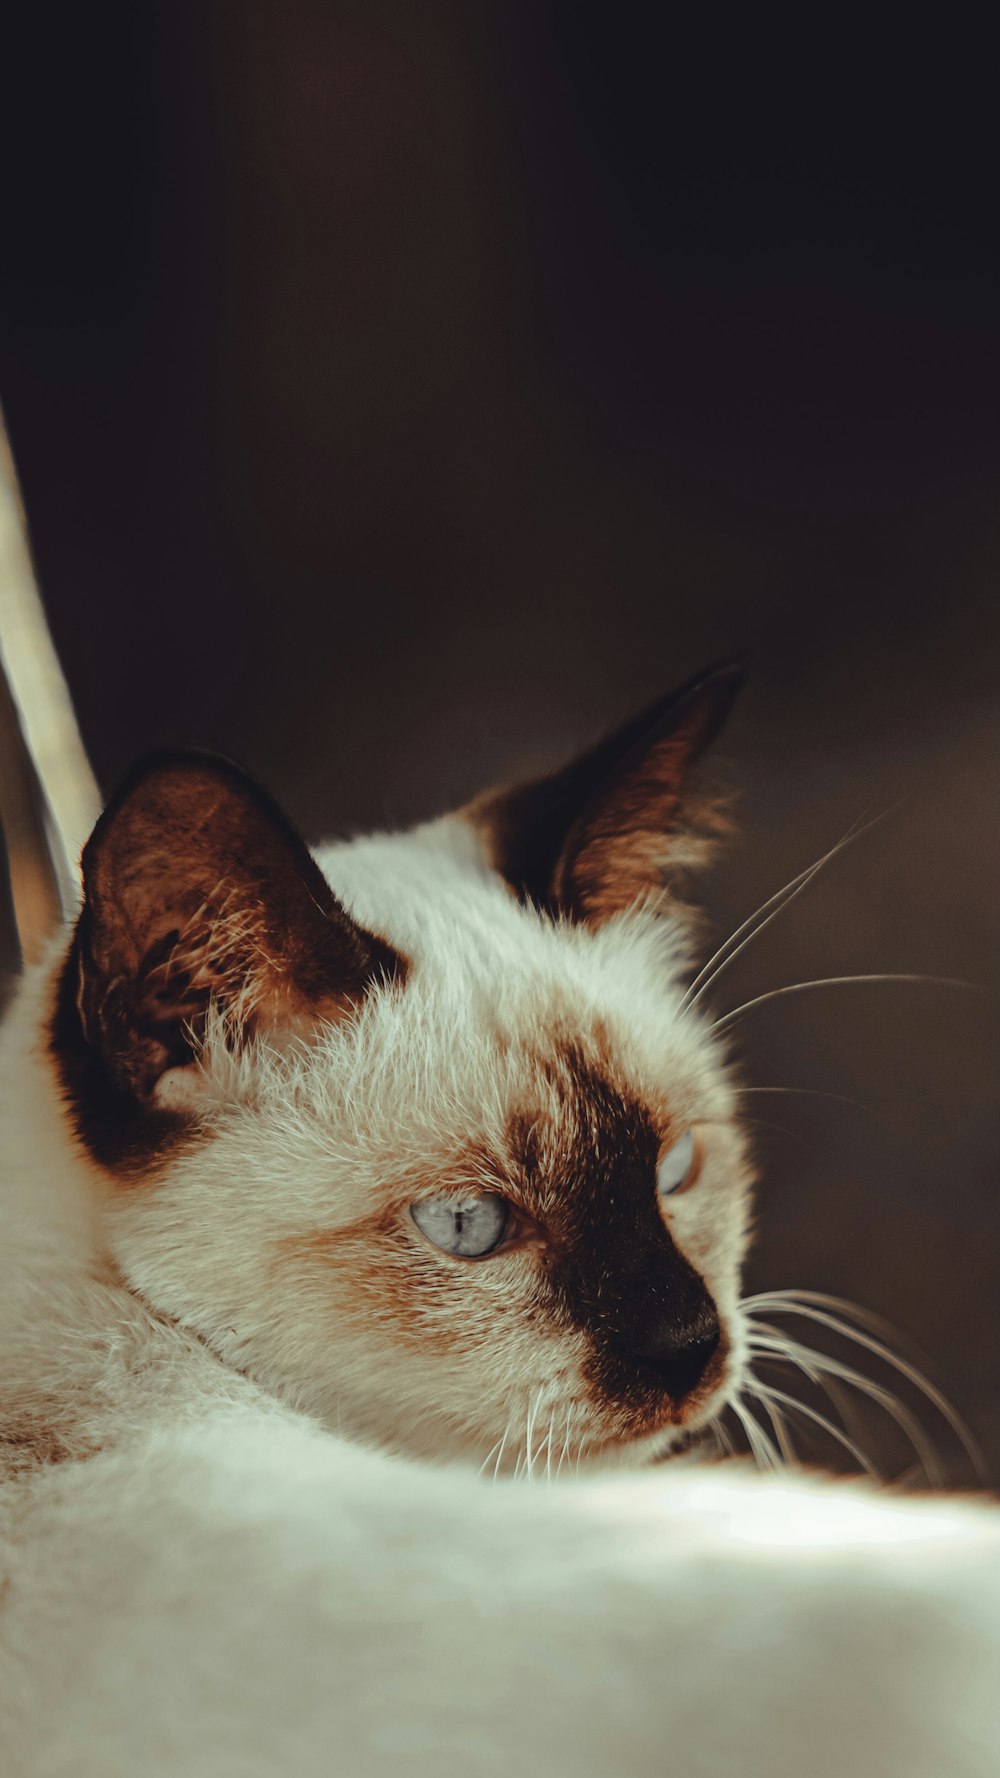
(675, 1165)
(469, 1229)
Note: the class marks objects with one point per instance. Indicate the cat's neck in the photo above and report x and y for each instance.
(85, 1363)
(52, 1197)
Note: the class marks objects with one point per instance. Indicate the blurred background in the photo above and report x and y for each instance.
(402, 394)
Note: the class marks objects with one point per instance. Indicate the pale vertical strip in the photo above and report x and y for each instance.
(48, 797)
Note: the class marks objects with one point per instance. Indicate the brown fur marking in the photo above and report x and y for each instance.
(197, 892)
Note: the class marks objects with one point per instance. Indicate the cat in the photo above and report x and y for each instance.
(335, 1184)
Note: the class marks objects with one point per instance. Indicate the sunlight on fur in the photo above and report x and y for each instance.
(337, 1185)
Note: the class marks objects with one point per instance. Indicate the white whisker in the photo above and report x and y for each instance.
(890, 1403)
(845, 1407)
(836, 981)
(778, 1347)
(529, 1427)
(720, 1434)
(488, 1459)
(762, 1450)
(829, 1311)
(766, 1392)
(503, 1446)
(777, 1420)
(815, 1363)
(754, 925)
(808, 1093)
(566, 1439)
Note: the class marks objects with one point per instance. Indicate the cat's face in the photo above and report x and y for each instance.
(456, 1169)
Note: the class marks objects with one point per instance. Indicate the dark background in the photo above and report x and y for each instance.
(404, 392)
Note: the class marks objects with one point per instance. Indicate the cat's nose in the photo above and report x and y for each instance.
(679, 1360)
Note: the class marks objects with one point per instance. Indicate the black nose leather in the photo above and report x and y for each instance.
(679, 1360)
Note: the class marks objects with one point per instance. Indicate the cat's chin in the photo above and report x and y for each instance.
(438, 1439)
(669, 1444)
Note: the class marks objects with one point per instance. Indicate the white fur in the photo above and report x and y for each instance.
(205, 1579)
(250, 1596)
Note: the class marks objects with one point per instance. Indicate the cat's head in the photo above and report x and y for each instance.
(427, 1140)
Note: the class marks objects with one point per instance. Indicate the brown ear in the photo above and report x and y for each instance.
(618, 821)
(196, 889)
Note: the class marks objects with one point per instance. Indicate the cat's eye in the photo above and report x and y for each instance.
(677, 1166)
(469, 1228)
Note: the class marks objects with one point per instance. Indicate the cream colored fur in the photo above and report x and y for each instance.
(205, 1570)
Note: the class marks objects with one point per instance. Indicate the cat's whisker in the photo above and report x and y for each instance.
(817, 1364)
(754, 925)
(737, 1409)
(845, 1407)
(519, 1464)
(528, 1430)
(778, 1421)
(545, 1443)
(519, 1449)
(488, 1459)
(503, 1446)
(570, 1409)
(761, 1449)
(837, 981)
(764, 1123)
(821, 1367)
(773, 1454)
(499, 1448)
(808, 1093)
(721, 1435)
(831, 1312)
(766, 1393)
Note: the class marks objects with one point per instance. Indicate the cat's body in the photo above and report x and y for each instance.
(244, 1597)
(253, 1135)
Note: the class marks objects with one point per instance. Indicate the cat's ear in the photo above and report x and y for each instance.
(197, 890)
(621, 820)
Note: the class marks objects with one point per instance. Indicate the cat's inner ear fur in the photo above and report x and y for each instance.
(197, 892)
(621, 821)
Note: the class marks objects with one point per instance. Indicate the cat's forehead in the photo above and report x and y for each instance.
(460, 926)
(508, 1024)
